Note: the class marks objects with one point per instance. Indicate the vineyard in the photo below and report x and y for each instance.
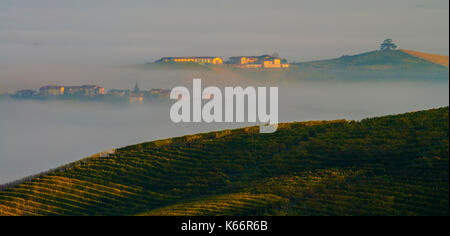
(392, 165)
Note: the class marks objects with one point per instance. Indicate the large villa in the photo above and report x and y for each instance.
(263, 61)
(200, 60)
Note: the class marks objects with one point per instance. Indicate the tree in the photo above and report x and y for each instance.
(388, 45)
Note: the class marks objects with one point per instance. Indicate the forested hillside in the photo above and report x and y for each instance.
(393, 165)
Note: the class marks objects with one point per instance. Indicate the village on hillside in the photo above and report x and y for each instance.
(94, 93)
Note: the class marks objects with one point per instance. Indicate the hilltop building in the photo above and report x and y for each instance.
(84, 90)
(119, 92)
(92, 90)
(199, 60)
(51, 90)
(264, 61)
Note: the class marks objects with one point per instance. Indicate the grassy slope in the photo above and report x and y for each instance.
(375, 65)
(438, 59)
(376, 60)
(393, 165)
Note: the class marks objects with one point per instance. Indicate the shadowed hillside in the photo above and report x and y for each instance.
(393, 165)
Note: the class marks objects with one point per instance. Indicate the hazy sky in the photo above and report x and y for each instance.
(55, 32)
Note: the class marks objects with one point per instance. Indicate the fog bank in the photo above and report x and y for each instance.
(38, 135)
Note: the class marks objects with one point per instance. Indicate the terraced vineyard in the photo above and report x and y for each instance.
(393, 165)
(230, 204)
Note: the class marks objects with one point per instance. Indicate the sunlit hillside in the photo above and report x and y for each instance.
(375, 60)
(438, 59)
(392, 165)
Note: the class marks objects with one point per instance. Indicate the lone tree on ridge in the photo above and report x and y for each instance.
(388, 45)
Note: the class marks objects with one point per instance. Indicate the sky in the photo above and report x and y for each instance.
(117, 32)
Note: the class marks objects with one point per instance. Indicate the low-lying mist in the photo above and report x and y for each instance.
(38, 135)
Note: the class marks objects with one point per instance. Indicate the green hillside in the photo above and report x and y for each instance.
(376, 60)
(389, 65)
(393, 165)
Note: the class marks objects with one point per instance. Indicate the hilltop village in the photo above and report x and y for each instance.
(93, 93)
(244, 62)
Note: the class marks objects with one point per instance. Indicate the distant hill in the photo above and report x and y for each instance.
(389, 65)
(376, 60)
(392, 165)
(438, 59)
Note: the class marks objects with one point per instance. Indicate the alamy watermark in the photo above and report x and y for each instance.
(227, 108)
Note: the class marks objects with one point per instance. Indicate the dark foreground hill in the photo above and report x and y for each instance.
(393, 165)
